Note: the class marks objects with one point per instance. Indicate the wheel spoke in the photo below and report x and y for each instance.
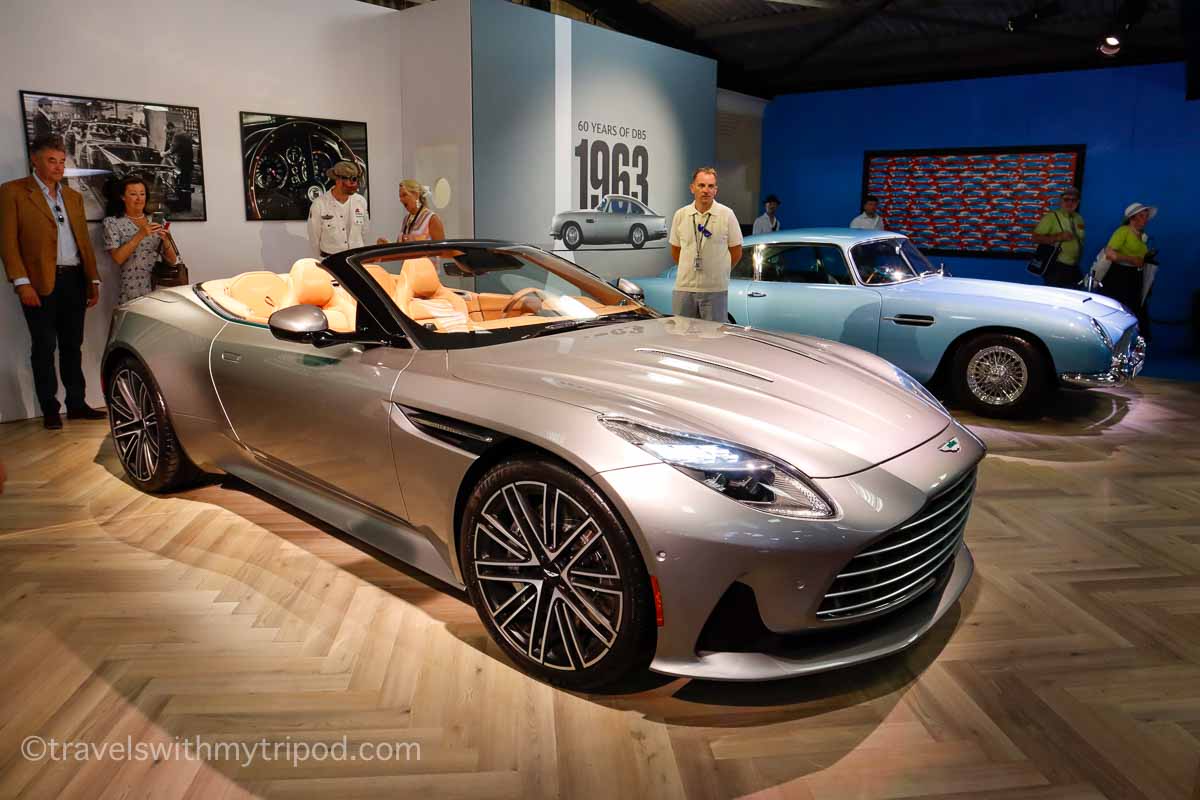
(521, 518)
(608, 636)
(127, 395)
(532, 596)
(507, 571)
(504, 539)
(540, 626)
(127, 428)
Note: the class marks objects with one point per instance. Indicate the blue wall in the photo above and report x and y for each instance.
(1143, 144)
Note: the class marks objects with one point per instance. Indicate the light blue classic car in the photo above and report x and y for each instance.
(998, 346)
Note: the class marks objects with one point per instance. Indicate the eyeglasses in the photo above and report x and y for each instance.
(347, 180)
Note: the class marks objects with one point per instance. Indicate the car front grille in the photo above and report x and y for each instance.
(904, 562)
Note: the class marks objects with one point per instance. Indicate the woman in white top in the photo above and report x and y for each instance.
(420, 223)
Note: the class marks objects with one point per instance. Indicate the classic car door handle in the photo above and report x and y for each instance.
(590, 220)
(756, 294)
(228, 356)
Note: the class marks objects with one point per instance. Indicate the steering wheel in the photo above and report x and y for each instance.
(285, 166)
(876, 277)
(524, 301)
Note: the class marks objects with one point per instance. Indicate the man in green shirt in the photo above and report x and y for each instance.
(1064, 227)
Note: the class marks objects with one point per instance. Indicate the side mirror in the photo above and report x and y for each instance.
(632, 289)
(298, 324)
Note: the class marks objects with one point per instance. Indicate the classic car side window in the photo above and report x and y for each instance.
(744, 269)
(616, 206)
(805, 263)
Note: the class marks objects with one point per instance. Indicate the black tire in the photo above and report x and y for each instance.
(1000, 375)
(572, 236)
(141, 430)
(637, 237)
(595, 630)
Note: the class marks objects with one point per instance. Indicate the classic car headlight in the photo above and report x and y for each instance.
(753, 479)
(1104, 337)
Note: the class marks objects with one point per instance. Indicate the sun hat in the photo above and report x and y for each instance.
(1136, 208)
(343, 169)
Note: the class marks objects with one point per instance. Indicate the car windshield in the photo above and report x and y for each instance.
(143, 155)
(889, 261)
(476, 295)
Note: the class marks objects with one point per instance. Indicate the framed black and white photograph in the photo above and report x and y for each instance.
(107, 139)
(285, 158)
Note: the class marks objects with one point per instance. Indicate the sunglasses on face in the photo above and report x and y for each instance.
(348, 180)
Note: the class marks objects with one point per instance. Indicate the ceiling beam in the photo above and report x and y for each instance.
(768, 23)
(839, 31)
(975, 25)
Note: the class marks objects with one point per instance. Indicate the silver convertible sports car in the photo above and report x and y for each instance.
(618, 219)
(613, 488)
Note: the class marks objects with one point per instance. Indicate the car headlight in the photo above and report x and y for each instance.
(751, 478)
(1103, 334)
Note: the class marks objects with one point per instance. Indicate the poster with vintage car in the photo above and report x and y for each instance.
(107, 139)
(284, 160)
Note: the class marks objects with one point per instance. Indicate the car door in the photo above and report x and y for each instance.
(613, 225)
(807, 288)
(595, 223)
(321, 415)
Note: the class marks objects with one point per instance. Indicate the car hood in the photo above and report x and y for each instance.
(939, 287)
(826, 408)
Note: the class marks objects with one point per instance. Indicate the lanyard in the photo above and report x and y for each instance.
(412, 219)
(696, 233)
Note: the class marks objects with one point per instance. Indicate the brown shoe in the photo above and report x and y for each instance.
(52, 422)
(84, 412)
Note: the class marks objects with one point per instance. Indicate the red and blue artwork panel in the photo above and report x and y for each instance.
(971, 201)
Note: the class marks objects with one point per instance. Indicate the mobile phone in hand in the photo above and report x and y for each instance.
(158, 218)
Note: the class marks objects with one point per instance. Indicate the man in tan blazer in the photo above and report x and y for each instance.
(48, 257)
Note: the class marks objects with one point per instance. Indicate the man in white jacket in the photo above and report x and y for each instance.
(337, 220)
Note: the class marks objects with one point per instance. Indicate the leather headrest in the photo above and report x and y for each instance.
(311, 285)
(422, 277)
(384, 278)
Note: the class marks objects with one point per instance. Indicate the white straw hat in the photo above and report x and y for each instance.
(1137, 208)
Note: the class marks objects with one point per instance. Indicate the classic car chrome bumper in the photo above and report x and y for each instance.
(1126, 364)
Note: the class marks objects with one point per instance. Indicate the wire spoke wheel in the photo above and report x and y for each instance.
(548, 577)
(135, 425)
(997, 375)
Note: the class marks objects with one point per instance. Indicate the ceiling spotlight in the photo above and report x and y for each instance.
(1034, 15)
(1129, 13)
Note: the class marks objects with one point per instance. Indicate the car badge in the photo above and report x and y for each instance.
(951, 446)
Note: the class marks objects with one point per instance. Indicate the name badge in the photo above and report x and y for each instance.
(359, 217)
(697, 265)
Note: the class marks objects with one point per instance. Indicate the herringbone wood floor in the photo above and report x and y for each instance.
(1070, 670)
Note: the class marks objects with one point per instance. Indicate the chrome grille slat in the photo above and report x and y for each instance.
(937, 557)
(913, 540)
(970, 487)
(904, 562)
(887, 597)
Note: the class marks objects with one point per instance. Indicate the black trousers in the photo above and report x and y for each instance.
(1064, 276)
(1124, 284)
(59, 320)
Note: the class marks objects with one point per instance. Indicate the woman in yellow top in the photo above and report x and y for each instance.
(1127, 251)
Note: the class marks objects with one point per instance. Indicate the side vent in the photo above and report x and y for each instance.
(912, 320)
(454, 432)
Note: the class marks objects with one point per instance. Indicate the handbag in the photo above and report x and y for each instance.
(1046, 254)
(166, 274)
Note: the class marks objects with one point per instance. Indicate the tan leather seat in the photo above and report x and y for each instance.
(262, 293)
(421, 295)
(313, 286)
(384, 278)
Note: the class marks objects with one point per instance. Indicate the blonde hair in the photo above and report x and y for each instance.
(416, 188)
(713, 170)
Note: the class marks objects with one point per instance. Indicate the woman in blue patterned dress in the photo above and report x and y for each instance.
(132, 240)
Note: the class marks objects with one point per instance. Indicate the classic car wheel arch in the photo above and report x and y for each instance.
(941, 375)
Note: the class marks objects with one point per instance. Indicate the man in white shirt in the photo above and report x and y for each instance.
(337, 220)
(706, 241)
(870, 218)
(768, 222)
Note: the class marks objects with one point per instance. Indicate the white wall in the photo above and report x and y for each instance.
(323, 58)
(434, 43)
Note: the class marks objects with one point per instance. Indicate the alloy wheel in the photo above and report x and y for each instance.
(637, 236)
(997, 375)
(549, 579)
(572, 236)
(134, 422)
